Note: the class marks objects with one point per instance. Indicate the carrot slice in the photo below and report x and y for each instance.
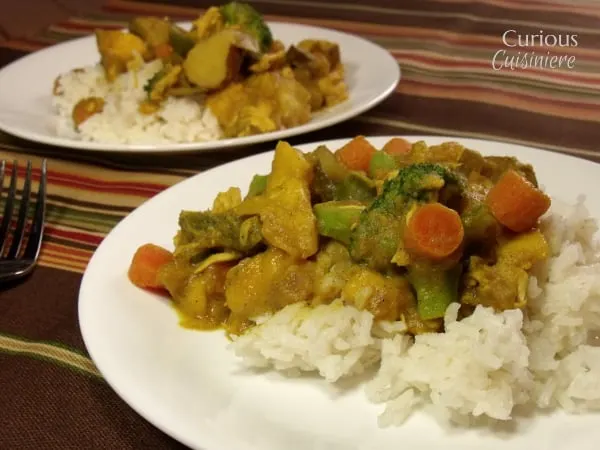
(433, 231)
(397, 146)
(163, 51)
(145, 265)
(516, 203)
(356, 154)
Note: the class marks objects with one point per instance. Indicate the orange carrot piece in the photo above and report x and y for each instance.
(397, 146)
(516, 203)
(163, 51)
(433, 231)
(356, 154)
(145, 265)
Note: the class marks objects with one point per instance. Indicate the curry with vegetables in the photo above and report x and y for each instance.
(229, 60)
(402, 231)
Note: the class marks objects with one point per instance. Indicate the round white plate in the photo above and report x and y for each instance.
(26, 85)
(191, 386)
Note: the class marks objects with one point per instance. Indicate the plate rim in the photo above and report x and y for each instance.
(150, 416)
(215, 145)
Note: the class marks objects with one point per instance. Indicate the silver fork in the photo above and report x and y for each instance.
(14, 261)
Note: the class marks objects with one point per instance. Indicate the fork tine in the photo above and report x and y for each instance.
(8, 208)
(22, 217)
(37, 225)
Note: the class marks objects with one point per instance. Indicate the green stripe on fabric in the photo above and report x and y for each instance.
(51, 352)
(85, 220)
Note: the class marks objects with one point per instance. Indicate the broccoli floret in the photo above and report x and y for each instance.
(246, 17)
(203, 230)
(375, 239)
(418, 182)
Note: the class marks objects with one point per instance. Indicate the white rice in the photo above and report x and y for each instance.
(332, 339)
(481, 367)
(178, 120)
(477, 367)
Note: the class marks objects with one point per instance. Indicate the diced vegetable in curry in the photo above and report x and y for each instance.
(402, 231)
(229, 60)
(85, 108)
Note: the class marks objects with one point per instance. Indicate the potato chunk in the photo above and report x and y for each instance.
(214, 61)
(116, 49)
(267, 282)
(385, 297)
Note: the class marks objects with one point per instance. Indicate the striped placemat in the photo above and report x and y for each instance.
(449, 86)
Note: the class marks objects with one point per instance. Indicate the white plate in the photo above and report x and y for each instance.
(26, 85)
(189, 385)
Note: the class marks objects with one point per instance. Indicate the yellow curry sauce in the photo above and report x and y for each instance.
(401, 231)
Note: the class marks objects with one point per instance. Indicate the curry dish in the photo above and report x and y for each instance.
(228, 60)
(402, 231)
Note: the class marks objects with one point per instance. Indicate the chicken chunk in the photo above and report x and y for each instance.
(503, 285)
(162, 82)
(269, 61)
(317, 65)
(207, 24)
(261, 103)
(285, 209)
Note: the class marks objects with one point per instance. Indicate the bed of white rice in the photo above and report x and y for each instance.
(482, 367)
(178, 120)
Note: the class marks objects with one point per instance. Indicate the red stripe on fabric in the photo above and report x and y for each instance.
(65, 179)
(61, 249)
(74, 235)
(35, 175)
(476, 64)
(530, 98)
(91, 184)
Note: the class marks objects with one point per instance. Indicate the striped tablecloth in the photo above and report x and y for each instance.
(52, 396)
